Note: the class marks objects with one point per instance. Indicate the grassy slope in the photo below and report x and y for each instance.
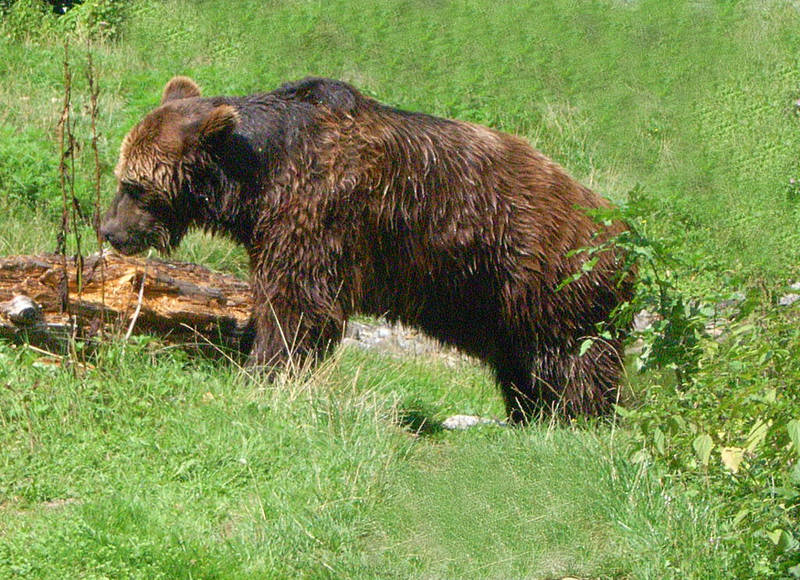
(694, 102)
(154, 465)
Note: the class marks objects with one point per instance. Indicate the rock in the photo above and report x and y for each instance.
(735, 300)
(461, 422)
(643, 320)
(396, 339)
(788, 299)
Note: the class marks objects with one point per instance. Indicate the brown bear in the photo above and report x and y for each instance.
(346, 205)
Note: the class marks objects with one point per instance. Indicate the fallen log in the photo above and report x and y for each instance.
(45, 298)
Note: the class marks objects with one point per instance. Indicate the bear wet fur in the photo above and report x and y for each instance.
(349, 206)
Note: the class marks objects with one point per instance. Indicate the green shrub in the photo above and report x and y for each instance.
(23, 19)
(732, 434)
(35, 19)
(101, 18)
(725, 427)
(720, 418)
(673, 339)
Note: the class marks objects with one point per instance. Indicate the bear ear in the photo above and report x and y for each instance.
(180, 88)
(221, 121)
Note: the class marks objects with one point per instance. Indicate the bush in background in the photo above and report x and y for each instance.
(32, 19)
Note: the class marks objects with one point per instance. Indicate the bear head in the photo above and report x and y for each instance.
(156, 203)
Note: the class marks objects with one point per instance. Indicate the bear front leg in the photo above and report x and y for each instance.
(289, 326)
(246, 338)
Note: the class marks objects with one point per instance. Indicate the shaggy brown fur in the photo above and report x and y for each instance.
(346, 205)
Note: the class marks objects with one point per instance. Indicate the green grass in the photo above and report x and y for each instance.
(694, 101)
(541, 503)
(158, 464)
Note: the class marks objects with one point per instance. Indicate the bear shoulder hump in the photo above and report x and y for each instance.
(335, 95)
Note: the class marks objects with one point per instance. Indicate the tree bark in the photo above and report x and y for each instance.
(181, 303)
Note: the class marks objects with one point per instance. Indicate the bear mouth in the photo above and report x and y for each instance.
(129, 248)
(133, 243)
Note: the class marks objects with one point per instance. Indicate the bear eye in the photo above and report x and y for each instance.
(134, 190)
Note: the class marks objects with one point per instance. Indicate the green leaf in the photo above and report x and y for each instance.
(588, 265)
(743, 513)
(569, 280)
(775, 536)
(793, 427)
(794, 474)
(757, 434)
(658, 440)
(676, 424)
(737, 330)
(703, 444)
(585, 346)
(782, 539)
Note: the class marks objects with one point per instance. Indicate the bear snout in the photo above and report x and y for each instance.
(109, 235)
(120, 239)
(113, 235)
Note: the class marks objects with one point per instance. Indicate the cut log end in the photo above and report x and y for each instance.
(22, 311)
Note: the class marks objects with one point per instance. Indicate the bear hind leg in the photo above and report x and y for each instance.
(517, 386)
(585, 384)
(560, 382)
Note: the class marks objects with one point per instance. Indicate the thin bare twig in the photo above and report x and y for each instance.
(138, 303)
(94, 91)
(63, 130)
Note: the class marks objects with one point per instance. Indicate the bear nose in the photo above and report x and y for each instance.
(109, 235)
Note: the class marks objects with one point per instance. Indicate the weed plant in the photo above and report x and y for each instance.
(719, 418)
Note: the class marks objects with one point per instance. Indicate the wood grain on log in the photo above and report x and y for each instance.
(179, 300)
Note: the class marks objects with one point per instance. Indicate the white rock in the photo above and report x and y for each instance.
(643, 320)
(467, 421)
